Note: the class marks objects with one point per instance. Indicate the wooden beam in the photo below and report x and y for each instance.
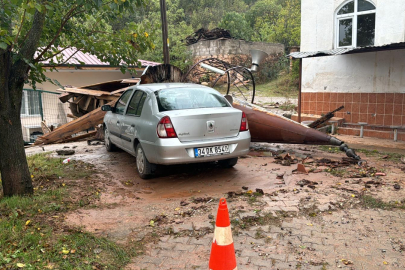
(86, 105)
(96, 93)
(80, 137)
(78, 99)
(65, 97)
(89, 120)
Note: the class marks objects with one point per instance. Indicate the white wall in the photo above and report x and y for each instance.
(318, 23)
(377, 72)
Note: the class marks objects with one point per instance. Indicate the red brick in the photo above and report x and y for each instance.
(319, 97)
(398, 98)
(397, 109)
(372, 98)
(355, 107)
(348, 98)
(380, 98)
(389, 108)
(397, 120)
(326, 106)
(326, 97)
(388, 120)
(389, 98)
(364, 97)
(379, 119)
(380, 108)
(312, 97)
(333, 97)
(363, 117)
(363, 108)
(355, 118)
(341, 98)
(372, 108)
(371, 119)
(356, 97)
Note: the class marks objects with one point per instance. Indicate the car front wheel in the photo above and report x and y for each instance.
(228, 163)
(108, 144)
(144, 167)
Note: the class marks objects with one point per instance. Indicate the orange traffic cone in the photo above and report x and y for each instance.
(222, 250)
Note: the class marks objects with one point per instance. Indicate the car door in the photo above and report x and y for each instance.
(115, 121)
(131, 122)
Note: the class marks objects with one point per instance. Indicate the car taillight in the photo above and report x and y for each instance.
(244, 126)
(165, 128)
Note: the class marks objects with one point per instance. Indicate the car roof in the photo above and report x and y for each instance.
(152, 87)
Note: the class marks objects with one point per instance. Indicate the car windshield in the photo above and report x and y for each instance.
(189, 98)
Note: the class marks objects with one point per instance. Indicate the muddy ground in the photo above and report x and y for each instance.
(338, 215)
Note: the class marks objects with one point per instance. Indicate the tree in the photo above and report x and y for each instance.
(32, 31)
(237, 25)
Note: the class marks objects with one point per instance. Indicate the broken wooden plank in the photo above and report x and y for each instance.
(80, 137)
(84, 122)
(65, 97)
(71, 116)
(87, 103)
(78, 99)
(96, 93)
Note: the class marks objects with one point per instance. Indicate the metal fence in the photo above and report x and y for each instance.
(38, 106)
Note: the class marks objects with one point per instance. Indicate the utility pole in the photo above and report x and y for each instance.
(164, 31)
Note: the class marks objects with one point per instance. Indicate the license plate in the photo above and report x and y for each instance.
(211, 151)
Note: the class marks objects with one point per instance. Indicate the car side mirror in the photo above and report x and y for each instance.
(107, 108)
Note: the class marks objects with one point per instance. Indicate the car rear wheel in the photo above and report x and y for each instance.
(144, 167)
(108, 144)
(228, 163)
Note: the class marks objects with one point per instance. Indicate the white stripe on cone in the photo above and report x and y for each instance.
(223, 236)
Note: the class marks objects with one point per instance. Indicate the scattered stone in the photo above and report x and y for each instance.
(210, 216)
(280, 176)
(397, 186)
(65, 147)
(245, 188)
(65, 152)
(305, 182)
(184, 203)
(259, 190)
(301, 168)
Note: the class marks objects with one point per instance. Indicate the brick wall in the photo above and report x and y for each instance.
(382, 109)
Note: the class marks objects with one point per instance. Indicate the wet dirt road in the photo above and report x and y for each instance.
(321, 226)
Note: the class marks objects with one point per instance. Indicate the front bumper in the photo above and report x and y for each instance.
(172, 151)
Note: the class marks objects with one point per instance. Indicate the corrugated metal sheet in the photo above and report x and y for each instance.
(393, 46)
(89, 59)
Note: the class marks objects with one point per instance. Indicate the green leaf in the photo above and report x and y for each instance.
(3, 45)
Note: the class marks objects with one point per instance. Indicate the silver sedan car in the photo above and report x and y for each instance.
(175, 123)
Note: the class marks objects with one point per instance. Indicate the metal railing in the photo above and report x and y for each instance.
(38, 106)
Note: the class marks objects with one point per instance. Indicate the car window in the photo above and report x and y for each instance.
(141, 103)
(189, 98)
(134, 103)
(122, 102)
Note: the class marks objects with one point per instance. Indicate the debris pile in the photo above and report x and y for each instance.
(205, 34)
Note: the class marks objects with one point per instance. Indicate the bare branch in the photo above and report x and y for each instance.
(64, 62)
(52, 56)
(19, 29)
(65, 19)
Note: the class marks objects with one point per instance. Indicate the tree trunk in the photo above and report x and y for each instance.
(15, 175)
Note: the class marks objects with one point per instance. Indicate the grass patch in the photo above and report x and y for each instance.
(43, 166)
(33, 234)
(369, 153)
(280, 87)
(375, 203)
